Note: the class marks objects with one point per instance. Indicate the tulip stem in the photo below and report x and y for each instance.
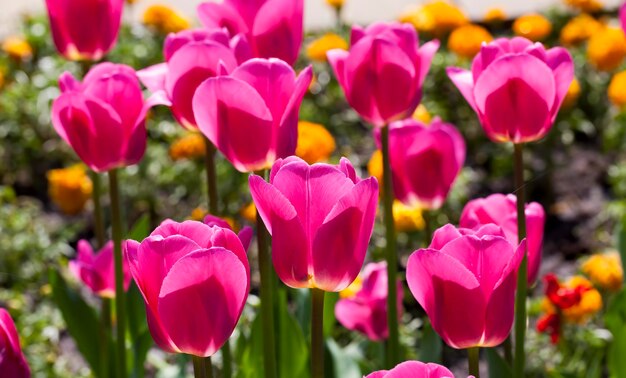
(227, 370)
(199, 370)
(392, 258)
(522, 273)
(98, 221)
(105, 330)
(428, 226)
(267, 301)
(317, 333)
(120, 305)
(208, 367)
(473, 357)
(211, 176)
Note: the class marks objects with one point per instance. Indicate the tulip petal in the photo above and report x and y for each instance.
(561, 63)
(337, 60)
(197, 285)
(153, 77)
(278, 35)
(464, 82)
(287, 138)
(426, 53)
(13, 363)
(363, 318)
(221, 15)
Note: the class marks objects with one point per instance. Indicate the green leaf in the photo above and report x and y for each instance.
(249, 351)
(330, 300)
(140, 337)
(141, 229)
(431, 345)
(497, 365)
(615, 320)
(621, 242)
(81, 320)
(293, 352)
(339, 363)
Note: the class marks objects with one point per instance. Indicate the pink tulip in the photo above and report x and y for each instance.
(191, 57)
(195, 280)
(12, 361)
(97, 271)
(84, 30)
(383, 73)
(366, 311)
(466, 281)
(622, 16)
(245, 234)
(413, 369)
(251, 115)
(321, 218)
(516, 87)
(103, 118)
(501, 210)
(274, 28)
(425, 161)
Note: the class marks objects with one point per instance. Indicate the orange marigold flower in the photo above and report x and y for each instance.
(579, 29)
(165, 19)
(375, 166)
(606, 48)
(190, 146)
(69, 188)
(315, 143)
(437, 17)
(532, 26)
(407, 218)
(573, 92)
(617, 89)
(248, 212)
(465, 41)
(17, 48)
(494, 15)
(335, 3)
(605, 270)
(317, 49)
(584, 5)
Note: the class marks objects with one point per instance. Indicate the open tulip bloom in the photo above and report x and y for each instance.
(465, 281)
(84, 30)
(195, 280)
(516, 87)
(103, 118)
(383, 73)
(274, 28)
(192, 56)
(251, 114)
(12, 361)
(413, 369)
(96, 270)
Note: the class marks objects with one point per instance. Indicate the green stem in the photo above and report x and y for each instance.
(98, 219)
(317, 333)
(211, 175)
(473, 357)
(208, 367)
(522, 273)
(508, 350)
(428, 226)
(199, 370)
(105, 331)
(393, 345)
(120, 304)
(267, 301)
(227, 370)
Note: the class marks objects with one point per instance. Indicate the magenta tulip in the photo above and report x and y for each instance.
(366, 311)
(622, 16)
(274, 28)
(321, 218)
(195, 280)
(191, 57)
(96, 270)
(245, 234)
(12, 361)
(84, 30)
(501, 210)
(251, 115)
(383, 73)
(465, 281)
(103, 118)
(516, 87)
(425, 161)
(413, 369)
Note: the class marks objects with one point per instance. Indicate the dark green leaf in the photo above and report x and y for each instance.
(140, 337)
(497, 365)
(141, 229)
(615, 320)
(431, 345)
(340, 363)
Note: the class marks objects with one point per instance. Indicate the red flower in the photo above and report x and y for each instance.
(550, 323)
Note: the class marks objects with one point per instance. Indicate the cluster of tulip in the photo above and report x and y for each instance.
(232, 81)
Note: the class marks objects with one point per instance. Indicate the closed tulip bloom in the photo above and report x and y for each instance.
(251, 115)
(516, 87)
(321, 218)
(501, 210)
(366, 310)
(413, 369)
(274, 28)
(103, 118)
(425, 161)
(195, 280)
(84, 30)
(12, 361)
(96, 270)
(192, 56)
(464, 270)
(383, 73)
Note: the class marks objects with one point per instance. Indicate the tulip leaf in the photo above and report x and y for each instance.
(140, 337)
(431, 345)
(330, 300)
(140, 229)
(615, 320)
(249, 351)
(621, 242)
(497, 365)
(340, 364)
(80, 318)
(292, 346)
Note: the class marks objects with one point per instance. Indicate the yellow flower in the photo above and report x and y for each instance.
(605, 270)
(337, 4)
(190, 146)
(315, 143)
(198, 214)
(590, 301)
(375, 166)
(465, 41)
(584, 5)
(17, 48)
(248, 212)
(131, 1)
(436, 17)
(606, 48)
(69, 188)
(494, 15)
(617, 89)
(316, 50)
(407, 218)
(421, 114)
(573, 92)
(165, 19)
(579, 29)
(354, 288)
(532, 26)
